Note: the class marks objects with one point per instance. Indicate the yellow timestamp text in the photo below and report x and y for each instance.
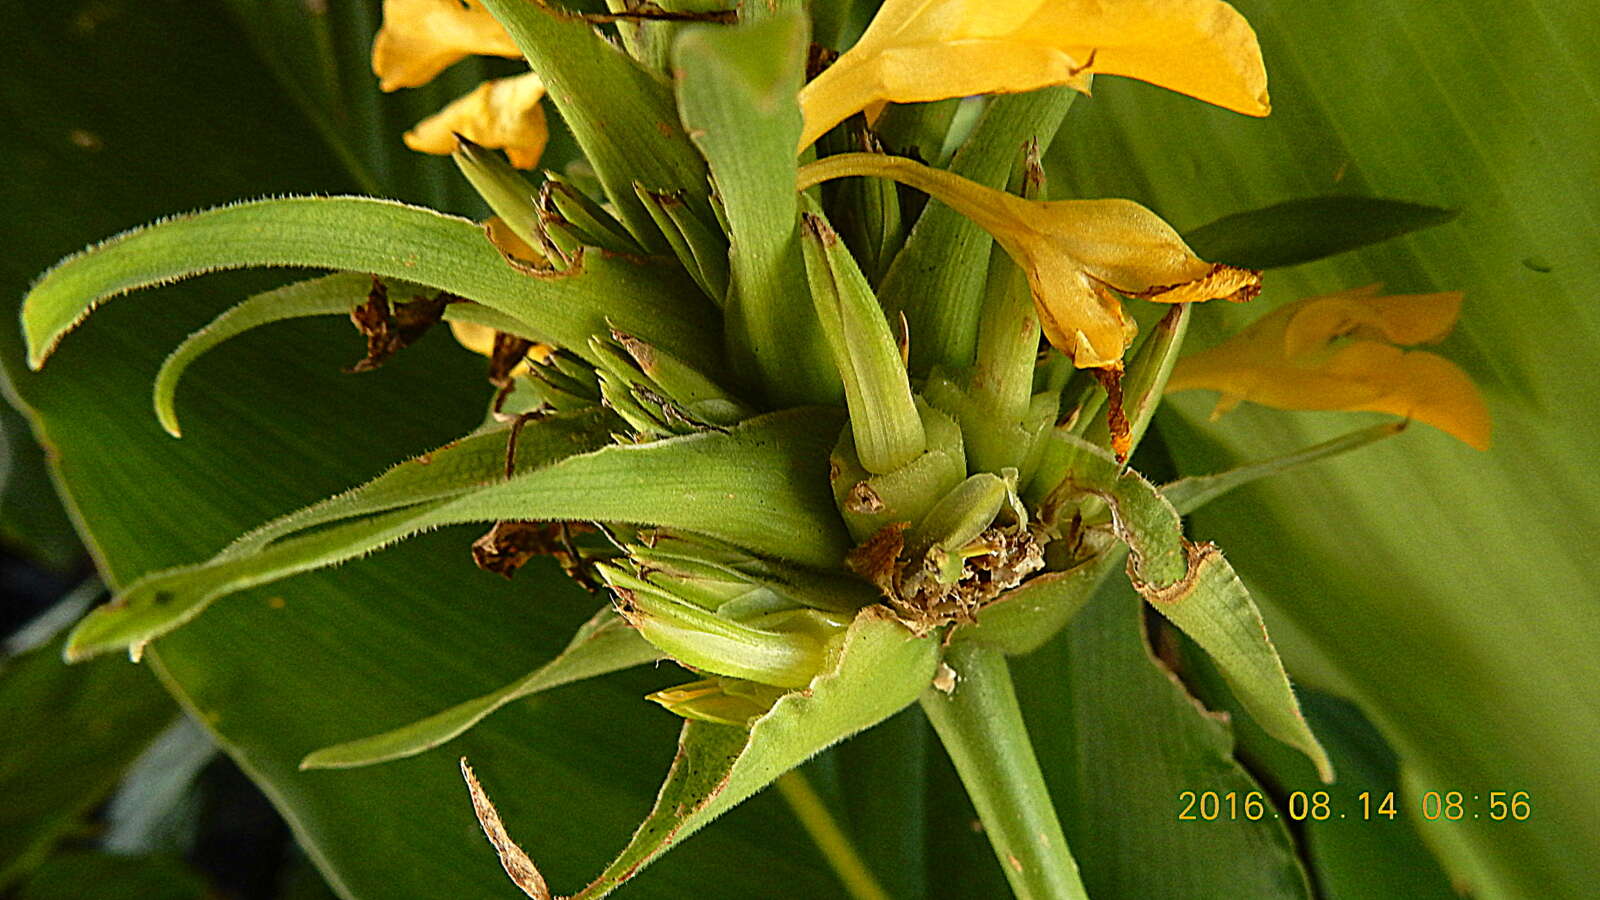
(1321, 806)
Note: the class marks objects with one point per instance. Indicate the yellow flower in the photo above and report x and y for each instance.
(921, 50)
(503, 114)
(421, 38)
(1074, 252)
(1338, 352)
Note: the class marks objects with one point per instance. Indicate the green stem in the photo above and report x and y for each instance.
(830, 839)
(982, 730)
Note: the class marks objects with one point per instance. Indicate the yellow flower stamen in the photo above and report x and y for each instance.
(504, 114)
(1074, 252)
(1338, 352)
(421, 38)
(922, 50)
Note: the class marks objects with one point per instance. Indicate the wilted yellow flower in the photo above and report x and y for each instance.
(1338, 352)
(421, 38)
(1074, 252)
(504, 114)
(922, 50)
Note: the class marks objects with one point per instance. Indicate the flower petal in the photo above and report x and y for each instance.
(504, 114)
(1336, 353)
(921, 50)
(1077, 248)
(421, 38)
(1203, 48)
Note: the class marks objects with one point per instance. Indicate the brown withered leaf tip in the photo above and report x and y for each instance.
(1110, 378)
(390, 329)
(508, 546)
(518, 865)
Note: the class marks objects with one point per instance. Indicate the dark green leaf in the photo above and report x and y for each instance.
(1120, 740)
(1308, 229)
(103, 876)
(329, 295)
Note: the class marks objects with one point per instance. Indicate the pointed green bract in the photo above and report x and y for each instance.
(736, 94)
(883, 414)
(1299, 231)
(620, 112)
(739, 486)
(880, 670)
(1194, 587)
(385, 238)
(466, 463)
(326, 296)
(604, 644)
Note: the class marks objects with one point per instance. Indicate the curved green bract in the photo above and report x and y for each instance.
(329, 295)
(604, 644)
(880, 670)
(1196, 589)
(762, 486)
(384, 238)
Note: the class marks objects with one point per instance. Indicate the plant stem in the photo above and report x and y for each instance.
(830, 839)
(982, 730)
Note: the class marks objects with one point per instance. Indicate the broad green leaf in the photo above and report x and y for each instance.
(1120, 740)
(736, 94)
(738, 486)
(621, 113)
(378, 641)
(1358, 846)
(33, 523)
(1308, 229)
(880, 670)
(1190, 493)
(325, 296)
(603, 644)
(1439, 587)
(1195, 587)
(882, 776)
(68, 734)
(363, 234)
(937, 277)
